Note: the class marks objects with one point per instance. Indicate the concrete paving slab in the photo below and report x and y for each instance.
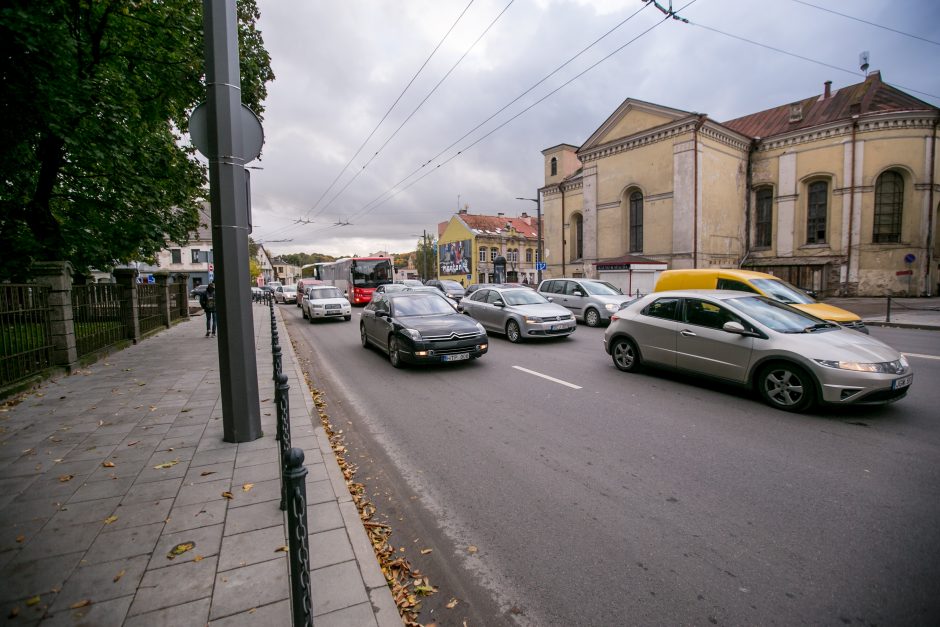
(242, 589)
(193, 614)
(168, 587)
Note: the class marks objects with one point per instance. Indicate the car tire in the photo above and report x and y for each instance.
(394, 355)
(592, 318)
(625, 354)
(303, 312)
(786, 386)
(310, 319)
(363, 336)
(512, 332)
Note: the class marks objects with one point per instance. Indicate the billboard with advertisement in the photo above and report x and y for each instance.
(455, 257)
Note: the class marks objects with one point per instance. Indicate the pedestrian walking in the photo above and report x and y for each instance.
(207, 302)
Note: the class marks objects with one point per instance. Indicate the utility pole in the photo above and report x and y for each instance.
(424, 256)
(238, 370)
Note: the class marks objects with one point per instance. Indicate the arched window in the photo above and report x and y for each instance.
(482, 254)
(636, 222)
(763, 217)
(577, 225)
(817, 210)
(554, 166)
(889, 200)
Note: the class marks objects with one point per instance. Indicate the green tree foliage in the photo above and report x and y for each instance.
(302, 259)
(95, 96)
(426, 258)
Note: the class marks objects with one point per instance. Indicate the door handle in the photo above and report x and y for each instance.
(687, 333)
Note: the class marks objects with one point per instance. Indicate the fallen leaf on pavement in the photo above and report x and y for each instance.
(426, 551)
(118, 576)
(110, 519)
(206, 473)
(279, 549)
(82, 603)
(133, 443)
(180, 548)
(108, 464)
(228, 495)
(31, 601)
(451, 604)
(198, 558)
(248, 486)
(14, 612)
(472, 549)
(20, 538)
(168, 464)
(65, 478)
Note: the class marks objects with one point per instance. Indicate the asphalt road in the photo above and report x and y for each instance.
(596, 497)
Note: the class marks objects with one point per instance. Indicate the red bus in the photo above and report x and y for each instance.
(358, 276)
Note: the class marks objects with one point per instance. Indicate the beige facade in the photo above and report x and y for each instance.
(493, 236)
(680, 188)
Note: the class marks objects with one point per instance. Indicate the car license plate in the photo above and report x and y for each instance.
(457, 357)
(903, 382)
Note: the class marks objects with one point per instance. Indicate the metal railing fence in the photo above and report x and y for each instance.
(100, 316)
(25, 332)
(149, 311)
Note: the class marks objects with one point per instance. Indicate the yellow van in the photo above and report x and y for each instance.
(757, 283)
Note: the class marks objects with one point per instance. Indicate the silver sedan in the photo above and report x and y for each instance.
(791, 358)
(518, 312)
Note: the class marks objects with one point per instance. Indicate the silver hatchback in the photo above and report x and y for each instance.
(589, 300)
(518, 312)
(792, 358)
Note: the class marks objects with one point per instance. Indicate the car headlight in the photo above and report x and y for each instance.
(886, 367)
(611, 306)
(414, 334)
(532, 320)
(480, 328)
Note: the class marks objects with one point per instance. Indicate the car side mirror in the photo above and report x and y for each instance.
(550, 299)
(735, 327)
(578, 293)
(499, 303)
(381, 313)
(811, 293)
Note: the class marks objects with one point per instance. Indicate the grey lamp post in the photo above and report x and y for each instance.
(538, 248)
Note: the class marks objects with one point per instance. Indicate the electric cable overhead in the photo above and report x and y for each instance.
(858, 19)
(410, 115)
(511, 102)
(420, 69)
(368, 209)
(804, 58)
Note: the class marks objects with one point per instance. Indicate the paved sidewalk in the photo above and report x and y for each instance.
(917, 313)
(104, 472)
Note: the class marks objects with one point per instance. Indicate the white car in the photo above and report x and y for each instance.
(325, 301)
(285, 294)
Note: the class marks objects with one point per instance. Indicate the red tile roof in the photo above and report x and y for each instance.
(527, 227)
(870, 96)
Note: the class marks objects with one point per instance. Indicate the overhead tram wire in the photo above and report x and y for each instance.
(367, 209)
(410, 115)
(799, 56)
(413, 78)
(858, 19)
(510, 103)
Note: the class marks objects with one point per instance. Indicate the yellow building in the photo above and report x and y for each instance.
(469, 246)
(836, 192)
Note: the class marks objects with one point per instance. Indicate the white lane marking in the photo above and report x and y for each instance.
(545, 376)
(921, 356)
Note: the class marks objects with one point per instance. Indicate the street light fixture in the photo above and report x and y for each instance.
(538, 249)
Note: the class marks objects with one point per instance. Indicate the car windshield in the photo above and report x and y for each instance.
(290, 288)
(392, 287)
(523, 297)
(330, 292)
(779, 317)
(601, 288)
(451, 285)
(783, 291)
(421, 305)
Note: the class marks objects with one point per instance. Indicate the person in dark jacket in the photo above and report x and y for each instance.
(207, 302)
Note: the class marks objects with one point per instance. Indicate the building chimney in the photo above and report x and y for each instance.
(462, 212)
(828, 91)
(499, 213)
(524, 214)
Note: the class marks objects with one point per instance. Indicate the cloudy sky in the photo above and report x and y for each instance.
(341, 64)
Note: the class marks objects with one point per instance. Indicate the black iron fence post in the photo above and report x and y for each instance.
(295, 476)
(282, 403)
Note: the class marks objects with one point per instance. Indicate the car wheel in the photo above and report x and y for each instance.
(625, 355)
(592, 318)
(512, 331)
(786, 386)
(394, 355)
(310, 318)
(363, 337)
(303, 312)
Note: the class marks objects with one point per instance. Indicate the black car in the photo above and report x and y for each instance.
(420, 327)
(198, 291)
(450, 289)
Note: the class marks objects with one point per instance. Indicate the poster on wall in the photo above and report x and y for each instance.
(454, 257)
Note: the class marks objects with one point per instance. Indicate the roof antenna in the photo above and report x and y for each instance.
(863, 62)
